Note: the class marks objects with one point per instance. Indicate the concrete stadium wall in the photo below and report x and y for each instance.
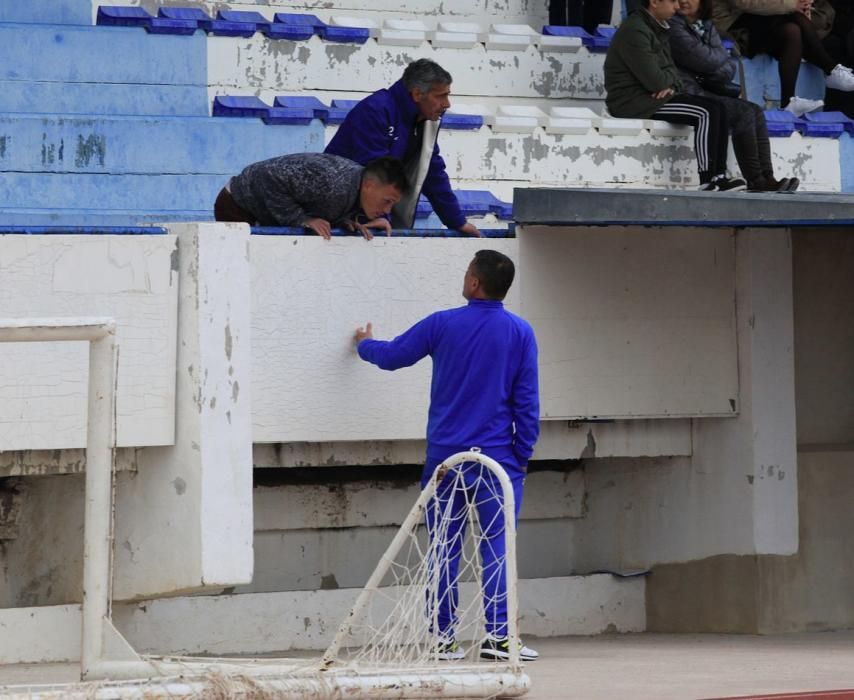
(309, 387)
(809, 588)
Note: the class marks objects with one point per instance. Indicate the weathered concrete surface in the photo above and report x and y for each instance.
(631, 322)
(810, 590)
(195, 528)
(644, 666)
(823, 279)
(596, 207)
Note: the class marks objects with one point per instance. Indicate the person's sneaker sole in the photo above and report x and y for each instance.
(457, 655)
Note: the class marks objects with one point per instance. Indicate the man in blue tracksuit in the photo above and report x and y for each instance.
(484, 394)
(403, 122)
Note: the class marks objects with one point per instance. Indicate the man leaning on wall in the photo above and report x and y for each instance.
(403, 122)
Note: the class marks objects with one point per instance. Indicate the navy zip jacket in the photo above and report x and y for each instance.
(382, 124)
(484, 391)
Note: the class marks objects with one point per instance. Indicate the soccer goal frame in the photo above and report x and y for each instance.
(104, 653)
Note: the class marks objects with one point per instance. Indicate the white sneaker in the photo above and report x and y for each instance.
(801, 105)
(449, 650)
(841, 78)
(499, 650)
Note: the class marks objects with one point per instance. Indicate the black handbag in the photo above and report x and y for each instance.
(719, 87)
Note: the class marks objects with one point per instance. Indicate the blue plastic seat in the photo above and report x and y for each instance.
(348, 35)
(830, 118)
(109, 15)
(480, 202)
(602, 39)
(239, 106)
(289, 32)
(221, 26)
(256, 19)
(320, 110)
(451, 120)
(423, 209)
(780, 122)
(300, 20)
(577, 32)
(118, 16)
(254, 107)
(345, 35)
(163, 25)
(273, 30)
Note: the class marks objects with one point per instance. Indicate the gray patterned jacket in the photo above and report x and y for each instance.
(288, 190)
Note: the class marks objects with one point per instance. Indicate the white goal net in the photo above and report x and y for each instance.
(446, 581)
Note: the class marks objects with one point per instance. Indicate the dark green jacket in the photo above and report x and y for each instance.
(638, 64)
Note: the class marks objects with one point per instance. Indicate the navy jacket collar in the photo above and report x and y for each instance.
(489, 303)
(408, 108)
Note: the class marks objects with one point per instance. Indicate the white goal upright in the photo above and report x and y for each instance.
(391, 644)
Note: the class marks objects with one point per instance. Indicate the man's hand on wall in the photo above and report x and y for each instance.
(469, 229)
(363, 333)
(320, 226)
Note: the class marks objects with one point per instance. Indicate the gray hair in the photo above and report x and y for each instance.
(423, 74)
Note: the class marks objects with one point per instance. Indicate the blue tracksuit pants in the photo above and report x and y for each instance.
(447, 518)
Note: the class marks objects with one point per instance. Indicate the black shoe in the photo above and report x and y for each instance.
(499, 650)
(728, 184)
(792, 185)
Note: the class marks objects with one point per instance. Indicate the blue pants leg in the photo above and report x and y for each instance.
(483, 490)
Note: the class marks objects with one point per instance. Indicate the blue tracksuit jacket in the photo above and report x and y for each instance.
(381, 125)
(484, 391)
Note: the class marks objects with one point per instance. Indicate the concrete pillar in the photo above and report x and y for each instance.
(184, 520)
(755, 493)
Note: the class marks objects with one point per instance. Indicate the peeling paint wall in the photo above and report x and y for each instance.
(43, 385)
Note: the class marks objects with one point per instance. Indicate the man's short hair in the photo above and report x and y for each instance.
(423, 74)
(495, 272)
(388, 171)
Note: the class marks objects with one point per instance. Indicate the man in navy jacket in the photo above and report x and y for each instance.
(484, 394)
(403, 122)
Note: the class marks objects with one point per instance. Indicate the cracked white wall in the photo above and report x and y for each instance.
(43, 385)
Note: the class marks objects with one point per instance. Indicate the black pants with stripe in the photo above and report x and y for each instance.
(708, 117)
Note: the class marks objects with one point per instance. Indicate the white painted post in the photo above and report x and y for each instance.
(97, 630)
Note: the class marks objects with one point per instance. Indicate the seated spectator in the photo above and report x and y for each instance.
(706, 68)
(403, 122)
(782, 28)
(317, 191)
(642, 82)
(839, 43)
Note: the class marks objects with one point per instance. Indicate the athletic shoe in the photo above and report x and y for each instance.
(769, 184)
(841, 78)
(449, 651)
(499, 650)
(722, 183)
(801, 105)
